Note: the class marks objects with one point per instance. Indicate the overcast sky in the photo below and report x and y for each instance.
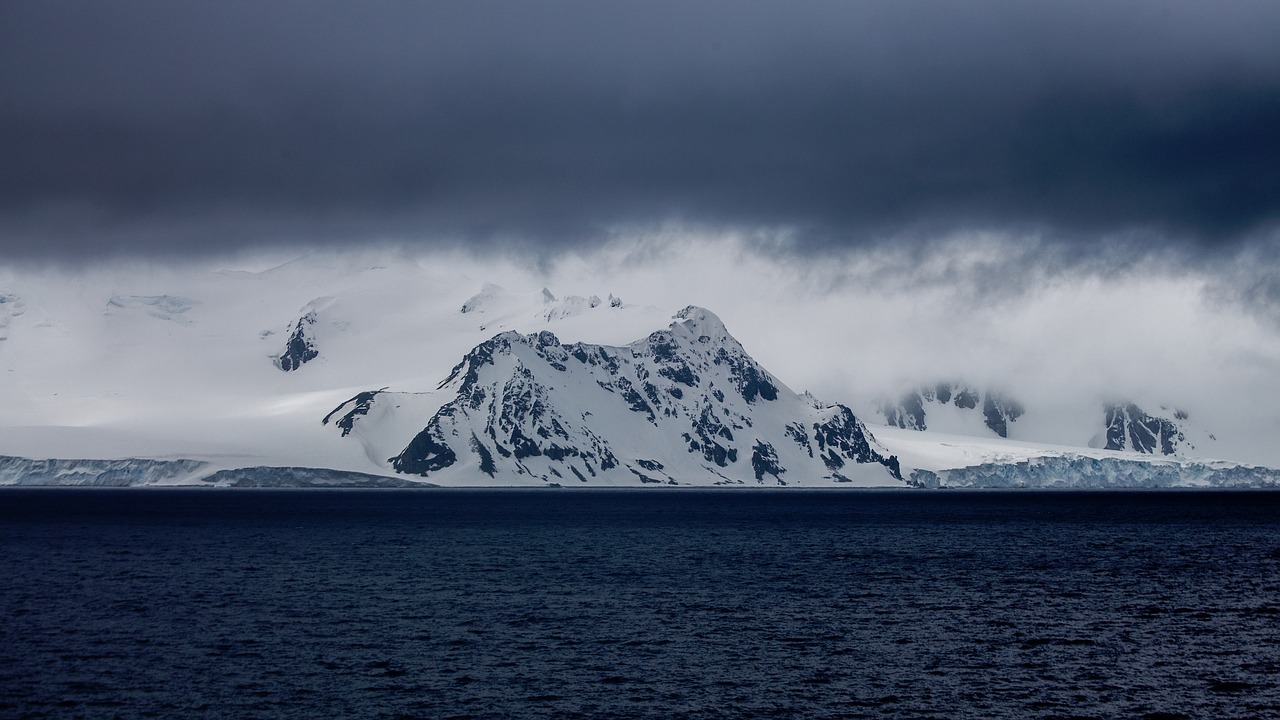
(173, 128)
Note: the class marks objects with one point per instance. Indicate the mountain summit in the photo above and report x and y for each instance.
(685, 405)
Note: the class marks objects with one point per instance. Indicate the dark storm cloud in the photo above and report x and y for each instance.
(185, 126)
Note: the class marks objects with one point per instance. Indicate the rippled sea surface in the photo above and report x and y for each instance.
(644, 604)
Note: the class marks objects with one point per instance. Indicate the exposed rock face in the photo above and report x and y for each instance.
(686, 404)
(357, 406)
(911, 410)
(1128, 427)
(301, 347)
(998, 411)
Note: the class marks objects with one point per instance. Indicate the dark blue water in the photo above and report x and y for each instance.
(701, 604)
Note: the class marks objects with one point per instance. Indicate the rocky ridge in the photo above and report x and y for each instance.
(683, 405)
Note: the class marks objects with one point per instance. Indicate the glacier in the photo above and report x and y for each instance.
(138, 472)
(1083, 472)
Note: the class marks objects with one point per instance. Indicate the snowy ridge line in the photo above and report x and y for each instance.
(142, 472)
(684, 405)
(1080, 471)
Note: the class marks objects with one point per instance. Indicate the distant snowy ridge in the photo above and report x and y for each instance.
(498, 308)
(1078, 471)
(686, 405)
(162, 307)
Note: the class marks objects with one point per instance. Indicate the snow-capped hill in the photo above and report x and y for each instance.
(685, 405)
(574, 305)
(952, 407)
(1129, 427)
(486, 299)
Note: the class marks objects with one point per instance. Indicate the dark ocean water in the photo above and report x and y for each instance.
(644, 604)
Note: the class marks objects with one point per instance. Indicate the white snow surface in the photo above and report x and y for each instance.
(175, 363)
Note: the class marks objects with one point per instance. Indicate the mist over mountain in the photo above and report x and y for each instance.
(239, 365)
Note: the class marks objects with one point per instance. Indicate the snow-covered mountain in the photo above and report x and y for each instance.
(685, 404)
(190, 375)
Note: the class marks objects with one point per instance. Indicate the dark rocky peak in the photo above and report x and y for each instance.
(844, 438)
(1129, 427)
(300, 347)
(349, 411)
(911, 410)
(301, 344)
(907, 412)
(998, 411)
